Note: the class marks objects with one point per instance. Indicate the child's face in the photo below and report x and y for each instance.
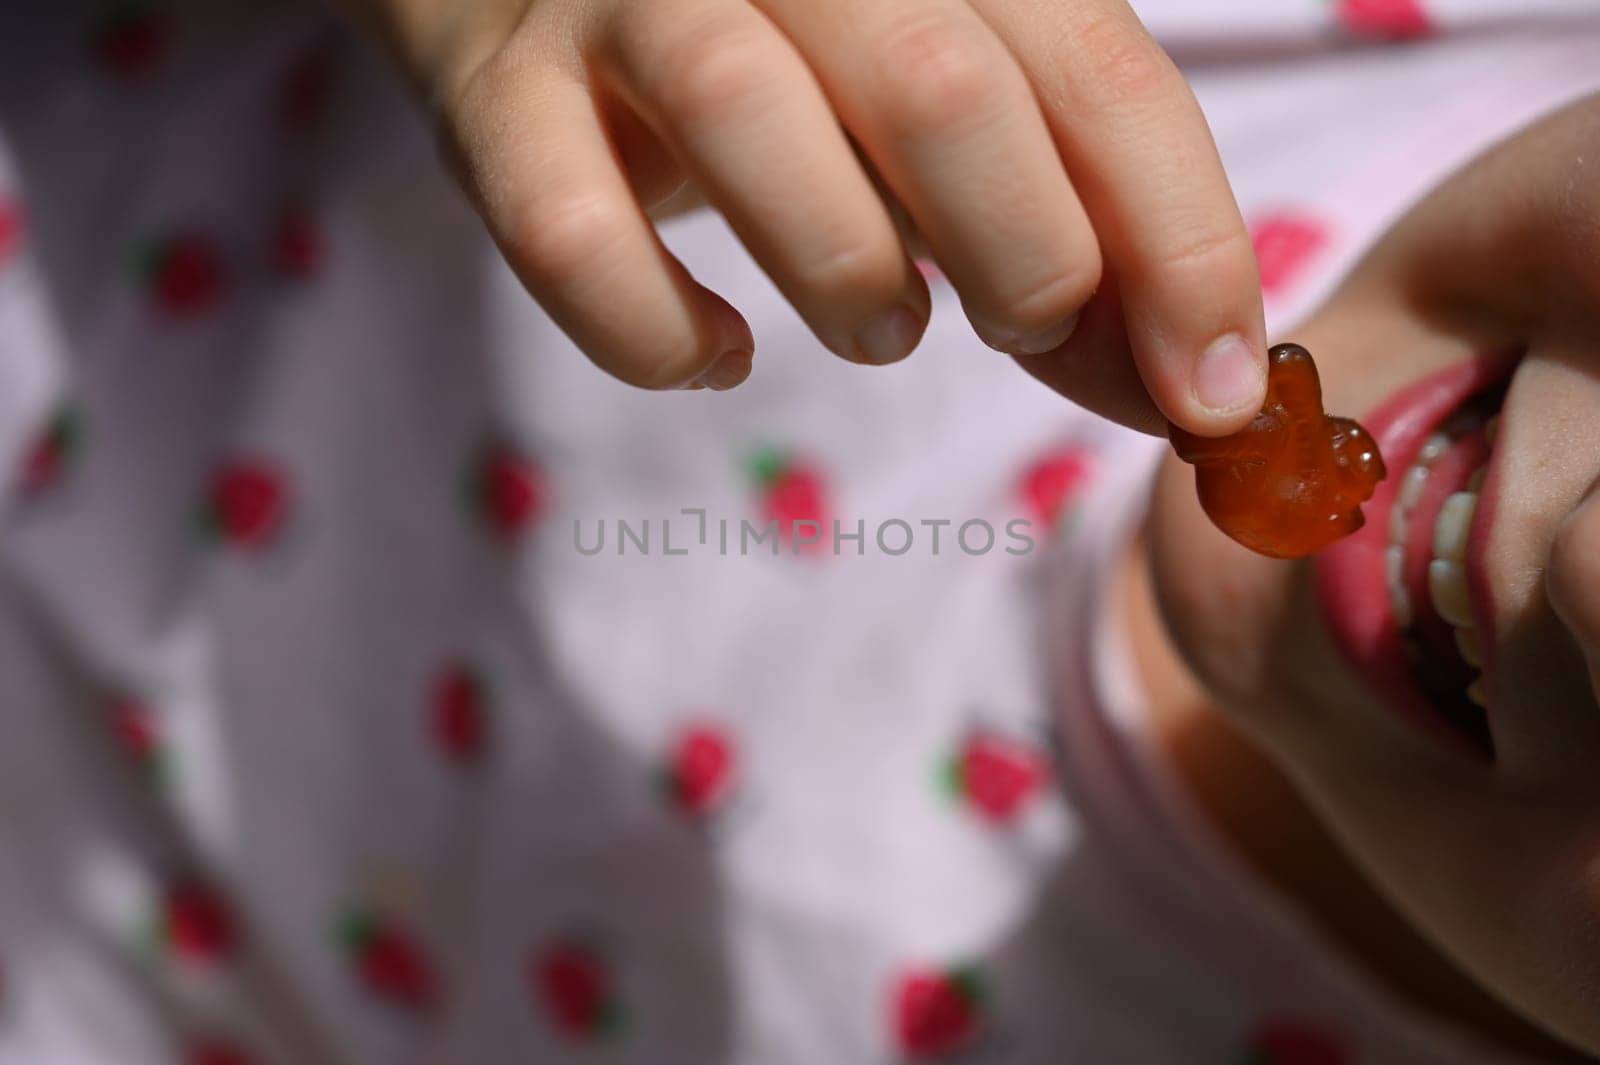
(1496, 856)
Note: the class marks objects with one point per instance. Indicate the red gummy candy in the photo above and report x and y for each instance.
(1292, 481)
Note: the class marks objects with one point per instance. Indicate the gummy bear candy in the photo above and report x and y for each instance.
(1292, 481)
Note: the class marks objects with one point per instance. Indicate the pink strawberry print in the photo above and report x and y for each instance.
(792, 491)
(573, 985)
(297, 245)
(195, 925)
(1052, 485)
(183, 273)
(387, 961)
(994, 775)
(1392, 19)
(507, 491)
(11, 228)
(937, 1014)
(457, 713)
(700, 770)
(247, 504)
(1293, 1042)
(134, 725)
(214, 1051)
(1286, 243)
(46, 461)
(130, 42)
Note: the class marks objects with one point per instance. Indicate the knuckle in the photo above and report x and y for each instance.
(1122, 64)
(1204, 248)
(934, 73)
(567, 235)
(713, 70)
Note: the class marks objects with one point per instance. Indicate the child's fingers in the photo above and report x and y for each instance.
(535, 156)
(745, 116)
(1142, 157)
(940, 108)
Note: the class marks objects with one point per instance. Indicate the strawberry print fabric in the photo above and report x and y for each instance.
(381, 684)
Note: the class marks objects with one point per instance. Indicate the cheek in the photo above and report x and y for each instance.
(1224, 606)
(1250, 629)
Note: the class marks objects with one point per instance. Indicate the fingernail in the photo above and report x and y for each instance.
(1228, 376)
(729, 371)
(890, 336)
(1047, 339)
(1035, 344)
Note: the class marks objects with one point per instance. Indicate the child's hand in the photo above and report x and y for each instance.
(1039, 148)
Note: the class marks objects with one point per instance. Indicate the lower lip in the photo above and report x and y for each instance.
(1351, 584)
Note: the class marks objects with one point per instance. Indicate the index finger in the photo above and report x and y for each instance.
(1142, 158)
(537, 160)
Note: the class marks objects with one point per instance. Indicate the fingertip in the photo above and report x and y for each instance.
(726, 348)
(1227, 386)
(730, 370)
(701, 347)
(732, 330)
(890, 335)
(1038, 343)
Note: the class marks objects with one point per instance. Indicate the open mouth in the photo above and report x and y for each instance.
(1405, 598)
(1426, 564)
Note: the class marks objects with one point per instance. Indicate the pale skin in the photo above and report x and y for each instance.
(1461, 874)
(1046, 152)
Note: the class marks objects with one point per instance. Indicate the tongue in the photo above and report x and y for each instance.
(1443, 669)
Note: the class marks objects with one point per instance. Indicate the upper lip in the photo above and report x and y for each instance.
(1350, 575)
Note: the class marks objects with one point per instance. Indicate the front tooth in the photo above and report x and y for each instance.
(1394, 564)
(1400, 606)
(1411, 489)
(1471, 648)
(1394, 558)
(1447, 584)
(1436, 445)
(1399, 526)
(1451, 528)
